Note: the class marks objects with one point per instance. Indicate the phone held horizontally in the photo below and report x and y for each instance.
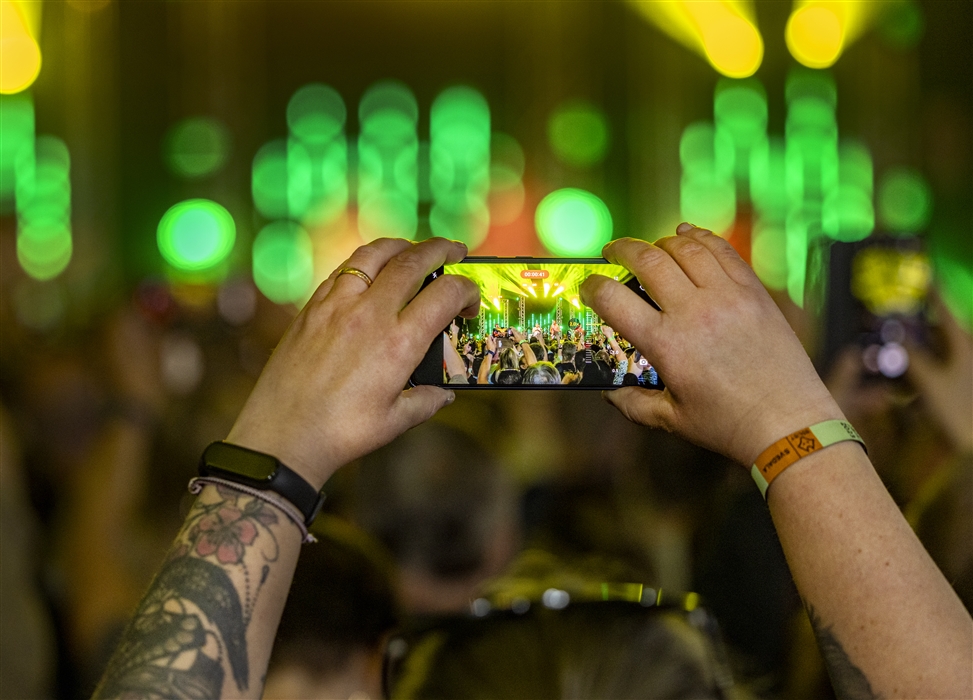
(533, 331)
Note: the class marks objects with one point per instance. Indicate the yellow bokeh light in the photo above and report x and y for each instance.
(733, 46)
(723, 31)
(815, 36)
(20, 56)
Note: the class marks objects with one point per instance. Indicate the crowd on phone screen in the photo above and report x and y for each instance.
(509, 357)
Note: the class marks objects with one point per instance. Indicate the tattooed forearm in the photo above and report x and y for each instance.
(190, 629)
(849, 682)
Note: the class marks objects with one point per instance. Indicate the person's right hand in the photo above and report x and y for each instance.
(319, 403)
(737, 379)
(517, 335)
(491, 343)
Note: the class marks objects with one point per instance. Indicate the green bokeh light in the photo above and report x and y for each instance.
(768, 254)
(197, 147)
(818, 84)
(573, 222)
(578, 133)
(904, 201)
(44, 250)
(388, 162)
(708, 201)
(507, 154)
(902, 23)
(706, 150)
(196, 235)
(16, 136)
(316, 114)
(768, 179)
(269, 180)
(283, 262)
(847, 214)
(740, 107)
(459, 165)
(855, 166)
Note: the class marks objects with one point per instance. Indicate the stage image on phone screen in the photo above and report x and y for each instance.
(534, 331)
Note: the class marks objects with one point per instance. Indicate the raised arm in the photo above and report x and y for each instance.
(737, 381)
(483, 376)
(206, 626)
(455, 367)
(612, 342)
(524, 344)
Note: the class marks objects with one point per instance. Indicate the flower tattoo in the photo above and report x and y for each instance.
(227, 530)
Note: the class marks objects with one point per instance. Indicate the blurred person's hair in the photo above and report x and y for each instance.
(436, 499)
(616, 649)
(540, 352)
(509, 377)
(567, 351)
(596, 373)
(542, 373)
(509, 359)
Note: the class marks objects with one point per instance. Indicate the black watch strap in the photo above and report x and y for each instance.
(261, 471)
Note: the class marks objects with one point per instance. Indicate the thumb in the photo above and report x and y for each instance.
(419, 404)
(644, 406)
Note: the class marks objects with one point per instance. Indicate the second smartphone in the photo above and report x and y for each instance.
(533, 331)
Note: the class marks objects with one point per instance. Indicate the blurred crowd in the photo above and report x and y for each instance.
(427, 545)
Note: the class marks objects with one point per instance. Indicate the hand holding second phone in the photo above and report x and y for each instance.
(737, 378)
(320, 402)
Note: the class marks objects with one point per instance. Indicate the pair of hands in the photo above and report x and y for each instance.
(737, 378)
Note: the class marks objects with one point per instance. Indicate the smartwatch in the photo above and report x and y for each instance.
(257, 470)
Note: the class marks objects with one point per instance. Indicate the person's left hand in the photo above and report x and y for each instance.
(319, 403)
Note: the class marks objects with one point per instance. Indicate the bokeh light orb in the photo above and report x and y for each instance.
(20, 56)
(814, 36)
(733, 46)
(573, 222)
(579, 135)
(196, 234)
(197, 147)
(283, 262)
(316, 114)
(904, 201)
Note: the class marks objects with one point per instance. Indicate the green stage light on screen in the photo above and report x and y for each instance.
(269, 180)
(196, 147)
(283, 262)
(708, 200)
(16, 142)
(904, 201)
(196, 234)
(902, 23)
(703, 149)
(44, 250)
(459, 165)
(388, 162)
(578, 133)
(573, 222)
(316, 114)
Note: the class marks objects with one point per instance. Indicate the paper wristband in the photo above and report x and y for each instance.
(788, 450)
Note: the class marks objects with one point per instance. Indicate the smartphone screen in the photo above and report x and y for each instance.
(533, 331)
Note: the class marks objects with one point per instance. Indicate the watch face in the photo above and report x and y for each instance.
(231, 459)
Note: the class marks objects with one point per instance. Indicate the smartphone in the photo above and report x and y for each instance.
(880, 302)
(533, 331)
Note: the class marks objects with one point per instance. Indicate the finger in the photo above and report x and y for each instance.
(658, 273)
(419, 404)
(696, 260)
(370, 259)
(627, 312)
(644, 406)
(440, 302)
(726, 255)
(403, 275)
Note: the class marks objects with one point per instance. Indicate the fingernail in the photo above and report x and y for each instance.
(685, 227)
(450, 397)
